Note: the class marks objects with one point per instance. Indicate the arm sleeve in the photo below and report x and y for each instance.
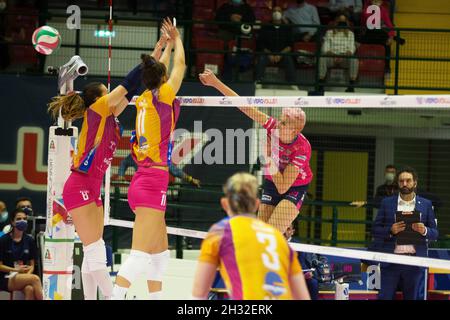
(351, 42)
(327, 42)
(380, 229)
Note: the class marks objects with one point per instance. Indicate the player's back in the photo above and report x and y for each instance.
(255, 259)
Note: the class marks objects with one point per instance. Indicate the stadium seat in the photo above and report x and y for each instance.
(372, 67)
(306, 48)
(263, 14)
(245, 44)
(204, 3)
(213, 61)
(203, 14)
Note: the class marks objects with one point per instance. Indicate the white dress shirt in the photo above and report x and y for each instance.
(408, 206)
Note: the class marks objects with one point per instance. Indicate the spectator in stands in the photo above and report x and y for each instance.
(352, 8)
(273, 40)
(4, 53)
(339, 41)
(174, 171)
(18, 256)
(307, 14)
(386, 232)
(237, 11)
(384, 36)
(4, 215)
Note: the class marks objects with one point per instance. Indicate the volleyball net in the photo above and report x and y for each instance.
(353, 139)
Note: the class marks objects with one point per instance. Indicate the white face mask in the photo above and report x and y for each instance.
(277, 15)
(2, 6)
(389, 177)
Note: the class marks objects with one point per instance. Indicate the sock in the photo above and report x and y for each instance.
(89, 286)
(119, 293)
(95, 264)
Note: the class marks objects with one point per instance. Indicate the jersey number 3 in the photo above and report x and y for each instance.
(270, 258)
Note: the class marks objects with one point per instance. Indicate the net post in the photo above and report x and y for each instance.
(334, 229)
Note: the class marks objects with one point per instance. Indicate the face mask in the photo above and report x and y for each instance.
(3, 216)
(389, 177)
(342, 24)
(406, 190)
(2, 6)
(277, 15)
(21, 225)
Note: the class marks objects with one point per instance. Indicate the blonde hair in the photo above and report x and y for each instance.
(296, 117)
(71, 106)
(241, 190)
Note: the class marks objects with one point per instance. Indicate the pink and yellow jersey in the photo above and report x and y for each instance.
(297, 153)
(97, 142)
(254, 258)
(157, 114)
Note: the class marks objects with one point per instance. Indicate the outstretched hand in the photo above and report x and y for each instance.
(208, 78)
(170, 29)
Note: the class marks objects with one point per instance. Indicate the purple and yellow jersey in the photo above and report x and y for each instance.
(157, 114)
(254, 258)
(97, 142)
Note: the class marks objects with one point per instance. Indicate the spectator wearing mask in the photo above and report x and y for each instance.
(351, 8)
(307, 14)
(18, 255)
(236, 11)
(24, 202)
(339, 41)
(384, 36)
(273, 40)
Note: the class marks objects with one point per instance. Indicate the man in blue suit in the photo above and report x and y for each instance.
(386, 229)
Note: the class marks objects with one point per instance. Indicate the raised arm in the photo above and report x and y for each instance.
(208, 78)
(179, 64)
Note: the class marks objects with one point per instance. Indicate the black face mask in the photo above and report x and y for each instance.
(342, 24)
(406, 190)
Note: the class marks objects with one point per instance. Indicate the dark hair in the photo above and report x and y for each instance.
(73, 105)
(15, 213)
(20, 199)
(153, 72)
(390, 166)
(408, 170)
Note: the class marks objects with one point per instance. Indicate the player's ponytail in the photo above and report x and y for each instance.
(242, 192)
(73, 105)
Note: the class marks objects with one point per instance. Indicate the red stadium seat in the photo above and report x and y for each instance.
(204, 3)
(286, 4)
(245, 44)
(213, 61)
(306, 47)
(203, 14)
(374, 67)
(219, 3)
(263, 14)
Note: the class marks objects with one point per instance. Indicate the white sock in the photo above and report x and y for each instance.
(119, 293)
(104, 282)
(89, 286)
(157, 295)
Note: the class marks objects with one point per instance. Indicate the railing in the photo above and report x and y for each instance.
(414, 66)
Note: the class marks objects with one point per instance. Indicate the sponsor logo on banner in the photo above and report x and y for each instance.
(193, 100)
(49, 256)
(388, 101)
(225, 101)
(52, 146)
(432, 100)
(343, 101)
(262, 101)
(301, 102)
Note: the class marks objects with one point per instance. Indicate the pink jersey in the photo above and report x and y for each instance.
(297, 153)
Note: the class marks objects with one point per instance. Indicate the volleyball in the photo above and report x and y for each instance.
(46, 40)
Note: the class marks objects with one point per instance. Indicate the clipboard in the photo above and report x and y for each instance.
(408, 236)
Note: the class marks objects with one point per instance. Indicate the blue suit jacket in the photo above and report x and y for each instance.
(381, 230)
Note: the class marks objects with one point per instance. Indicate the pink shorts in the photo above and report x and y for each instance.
(148, 189)
(80, 190)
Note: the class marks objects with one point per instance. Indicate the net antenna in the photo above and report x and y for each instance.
(60, 232)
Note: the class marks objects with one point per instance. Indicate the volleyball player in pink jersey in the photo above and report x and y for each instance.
(157, 114)
(287, 173)
(97, 142)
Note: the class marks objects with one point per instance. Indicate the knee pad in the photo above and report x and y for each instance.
(137, 263)
(94, 257)
(158, 266)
